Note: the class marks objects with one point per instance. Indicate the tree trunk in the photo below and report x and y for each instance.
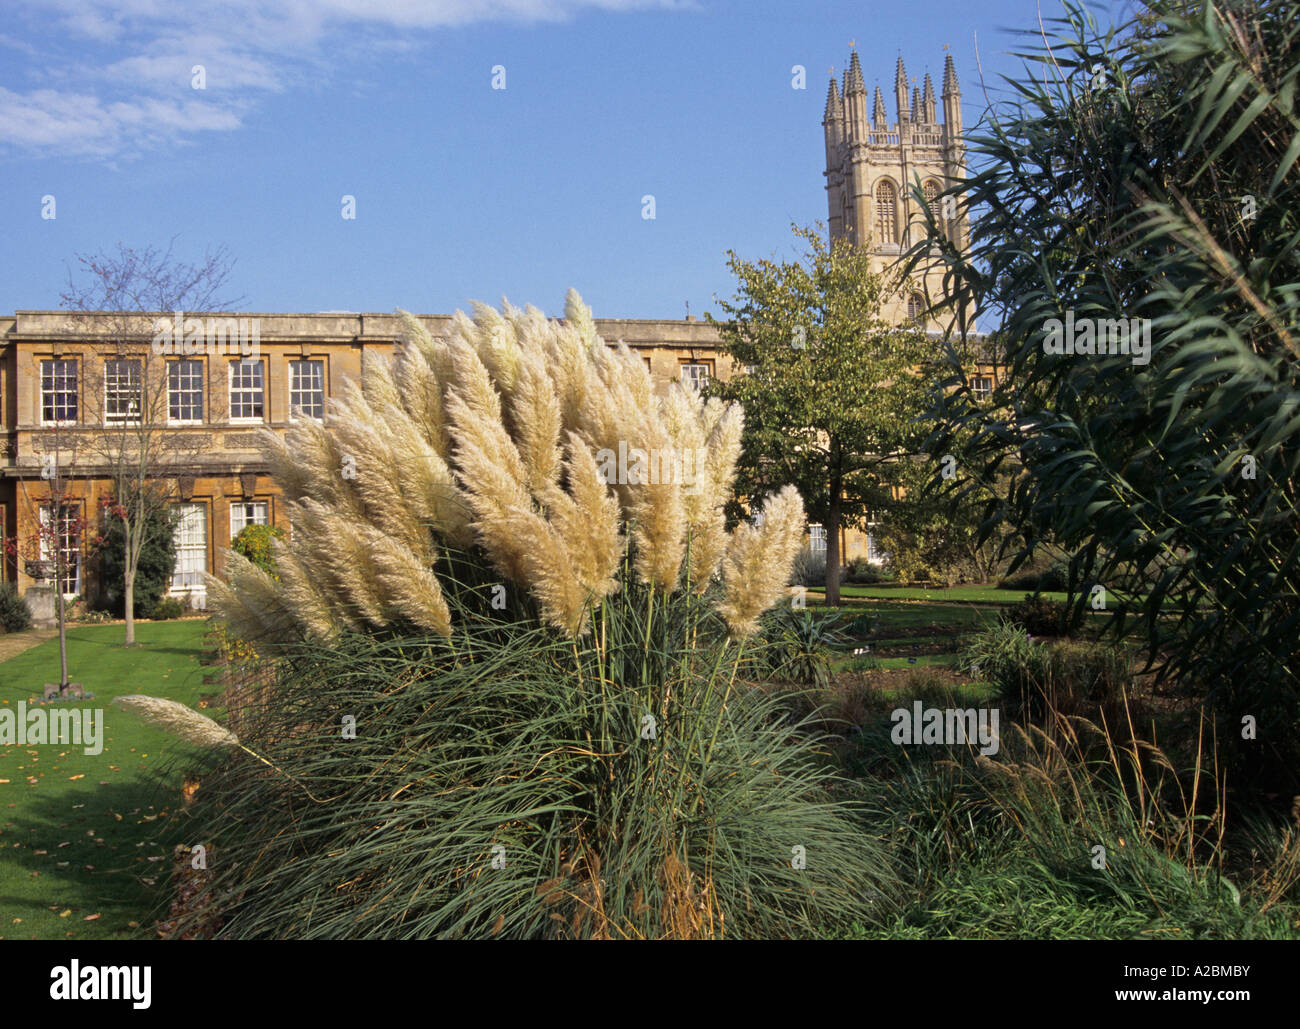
(833, 548)
(129, 581)
(63, 638)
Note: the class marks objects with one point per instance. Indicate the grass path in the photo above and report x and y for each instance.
(85, 840)
(14, 643)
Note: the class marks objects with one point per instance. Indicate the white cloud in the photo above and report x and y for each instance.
(112, 77)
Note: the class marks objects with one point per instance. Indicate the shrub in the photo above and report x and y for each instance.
(1148, 490)
(862, 572)
(1030, 677)
(1043, 617)
(166, 609)
(15, 615)
(796, 645)
(153, 572)
(1053, 579)
(810, 569)
(255, 542)
(1017, 667)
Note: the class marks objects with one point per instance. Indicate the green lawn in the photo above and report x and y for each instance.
(85, 841)
(954, 594)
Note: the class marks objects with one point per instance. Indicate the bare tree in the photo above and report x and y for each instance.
(130, 390)
(60, 514)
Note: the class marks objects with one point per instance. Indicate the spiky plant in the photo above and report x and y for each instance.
(1152, 172)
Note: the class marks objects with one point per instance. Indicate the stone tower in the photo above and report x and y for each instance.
(872, 167)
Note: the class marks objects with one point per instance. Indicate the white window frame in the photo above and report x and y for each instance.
(191, 541)
(173, 393)
(243, 506)
(45, 513)
(817, 538)
(54, 392)
(115, 391)
(260, 391)
(978, 390)
(695, 374)
(296, 388)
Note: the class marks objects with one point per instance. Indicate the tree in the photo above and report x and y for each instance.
(128, 389)
(831, 390)
(154, 568)
(1148, 177)
(61, 524)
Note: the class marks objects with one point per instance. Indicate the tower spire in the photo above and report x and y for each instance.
(951, 99)
(950, 86)
(879, 116)
(853, 78)
(834, 105)
(900, 91)
(927, 99)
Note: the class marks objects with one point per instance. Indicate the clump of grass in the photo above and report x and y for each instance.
(1032, 677)
(1007, 846)
(508, 781)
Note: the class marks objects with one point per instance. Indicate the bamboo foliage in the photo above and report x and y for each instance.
(518, 438)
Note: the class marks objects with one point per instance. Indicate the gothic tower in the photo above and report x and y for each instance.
(872, 167)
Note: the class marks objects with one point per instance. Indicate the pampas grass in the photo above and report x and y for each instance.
(179, 720)
(192, 727)
(491, 442)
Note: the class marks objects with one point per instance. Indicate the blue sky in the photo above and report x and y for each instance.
(462, 191)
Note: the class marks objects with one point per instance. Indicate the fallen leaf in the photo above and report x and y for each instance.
(74, 778)
(65, 913)
(90, 918)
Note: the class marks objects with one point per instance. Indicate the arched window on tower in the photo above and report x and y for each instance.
(931, 191)
(886, 213)
(915, 307)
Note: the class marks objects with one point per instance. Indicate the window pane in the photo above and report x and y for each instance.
(185, 391)
(62, 542)
(247, 512)
(191, 537)
(695, 375)
(307, 387)
(123, 400)
(246, 390)
(59, 391)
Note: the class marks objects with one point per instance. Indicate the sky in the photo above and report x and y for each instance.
(461, 191)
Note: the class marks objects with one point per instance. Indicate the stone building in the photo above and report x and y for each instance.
(873, 167)
(66, 388)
